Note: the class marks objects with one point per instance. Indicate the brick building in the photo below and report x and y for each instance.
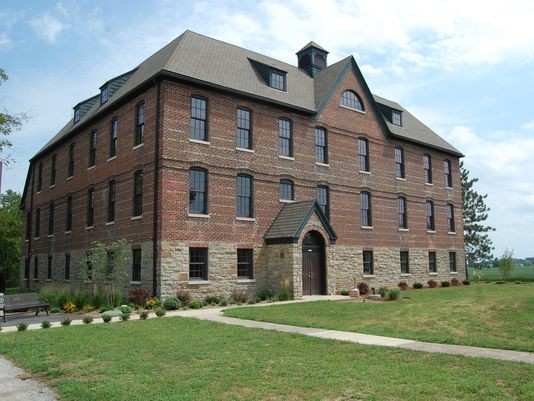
(228, 170)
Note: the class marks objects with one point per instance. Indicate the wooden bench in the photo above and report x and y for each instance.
(22, 302)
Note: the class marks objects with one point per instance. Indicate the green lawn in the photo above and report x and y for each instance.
(485, 315)
(187, 359)
(525, 273)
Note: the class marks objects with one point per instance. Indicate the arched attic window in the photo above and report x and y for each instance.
(351, 100)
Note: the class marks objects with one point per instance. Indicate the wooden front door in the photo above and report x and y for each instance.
(313, 269)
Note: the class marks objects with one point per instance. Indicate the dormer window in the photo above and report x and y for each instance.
(104, 94)
(77, 114)
(396, 118)
(277, 80)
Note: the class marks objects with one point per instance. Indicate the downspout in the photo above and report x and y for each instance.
(29, 254)
(156, 193)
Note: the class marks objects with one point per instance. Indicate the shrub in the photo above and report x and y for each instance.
(195, 304)
(518, 282)
(184, 297)
(88, 308)
(223, 301)
(476, 275)
(455, 282)
(139, 296)
(212, 300)
(432, 283)
(161, 312)
(239, 297)
(152, 303)
(22, 326)
(172, 303)
(125, 316)
(466, 282)
(55, 309)
(106, 318)
(87, 320)
(126, 309)
(81, 299)
(417, 286)
(45, 324)
(393, 295)
(403, 285)
(112, 313)
(344, 292)
(445, 284)
(69, 307)
(66, 322)
(363, 287)
(500, 282)
(383, 291)
(264, 294)
(143, 315)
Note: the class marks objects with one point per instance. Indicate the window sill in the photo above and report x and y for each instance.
(91, 167)
(200, 141)
(68, 232)
(136, 217)
(89, 227)
(36, 238)
(433, 274)
(405, 274)
(50, 236)
(246, 218)
(286, 157)
(138, 146)
(69, 178)
(368, 276)
(446, 187)
(109, 223)
(111, 158)
(196, 282)
(245, 150)
(366, 227)
(245, 280)
(322, 164)
(350, 108)
(286, 200)
(38, 192)
(405, 230)
(26, 240)
(199, 215)
(453, 273)
(451, 232)
(429, 184)
(52, 186)
(48, 280)
(400, 178)
(431, 231)
(135, 283)
(364, 172)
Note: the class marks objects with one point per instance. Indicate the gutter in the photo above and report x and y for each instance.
(156, 192)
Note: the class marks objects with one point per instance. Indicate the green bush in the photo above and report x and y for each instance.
(23, 326)
(161, 312)
(125, 316)
(285, 294)
(393, 295)
(45, 324)
(383, 291)
(195, 304)
(466, 282)
(143, 315)
(125, 309)
(184, 297)
(432, 283)
(55, 309)
(445, 284)
(265, 294)
(106, 318)
(111, 313)
(212, 300)
(239, 297)
(344, 292)
(66, 322)
(87, 320)
(252, 301)
(223, 301)
(172, 303)
(417, 286)
(518, 282)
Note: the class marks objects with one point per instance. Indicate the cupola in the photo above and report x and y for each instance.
(312, 58)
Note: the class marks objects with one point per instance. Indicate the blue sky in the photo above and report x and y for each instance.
(466, 69)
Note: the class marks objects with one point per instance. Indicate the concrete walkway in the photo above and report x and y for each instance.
(15, 385)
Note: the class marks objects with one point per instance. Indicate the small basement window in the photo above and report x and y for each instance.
(277, 80)
(396, 118)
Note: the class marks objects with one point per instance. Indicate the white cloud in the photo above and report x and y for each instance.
(528, 126)
(47, 27)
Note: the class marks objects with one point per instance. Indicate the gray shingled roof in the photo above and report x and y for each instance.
(292, 218)
(200, 59)
(312, 44)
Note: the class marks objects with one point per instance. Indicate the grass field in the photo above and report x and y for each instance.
(525, 273)
(485, 315)
(187, 359)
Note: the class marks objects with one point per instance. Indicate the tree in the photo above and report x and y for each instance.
(10, 239)
(8, 124)
(478, 245)
(105, 266)
(507, 264)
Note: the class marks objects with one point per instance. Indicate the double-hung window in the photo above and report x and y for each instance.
(243, 129)
(285, 137)
(198, 126)
(363, 154)
(365, 209)
(139, 124)
(399, 163)
(138, 193)
(244, 196)
(198, 186)
(321, 146)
